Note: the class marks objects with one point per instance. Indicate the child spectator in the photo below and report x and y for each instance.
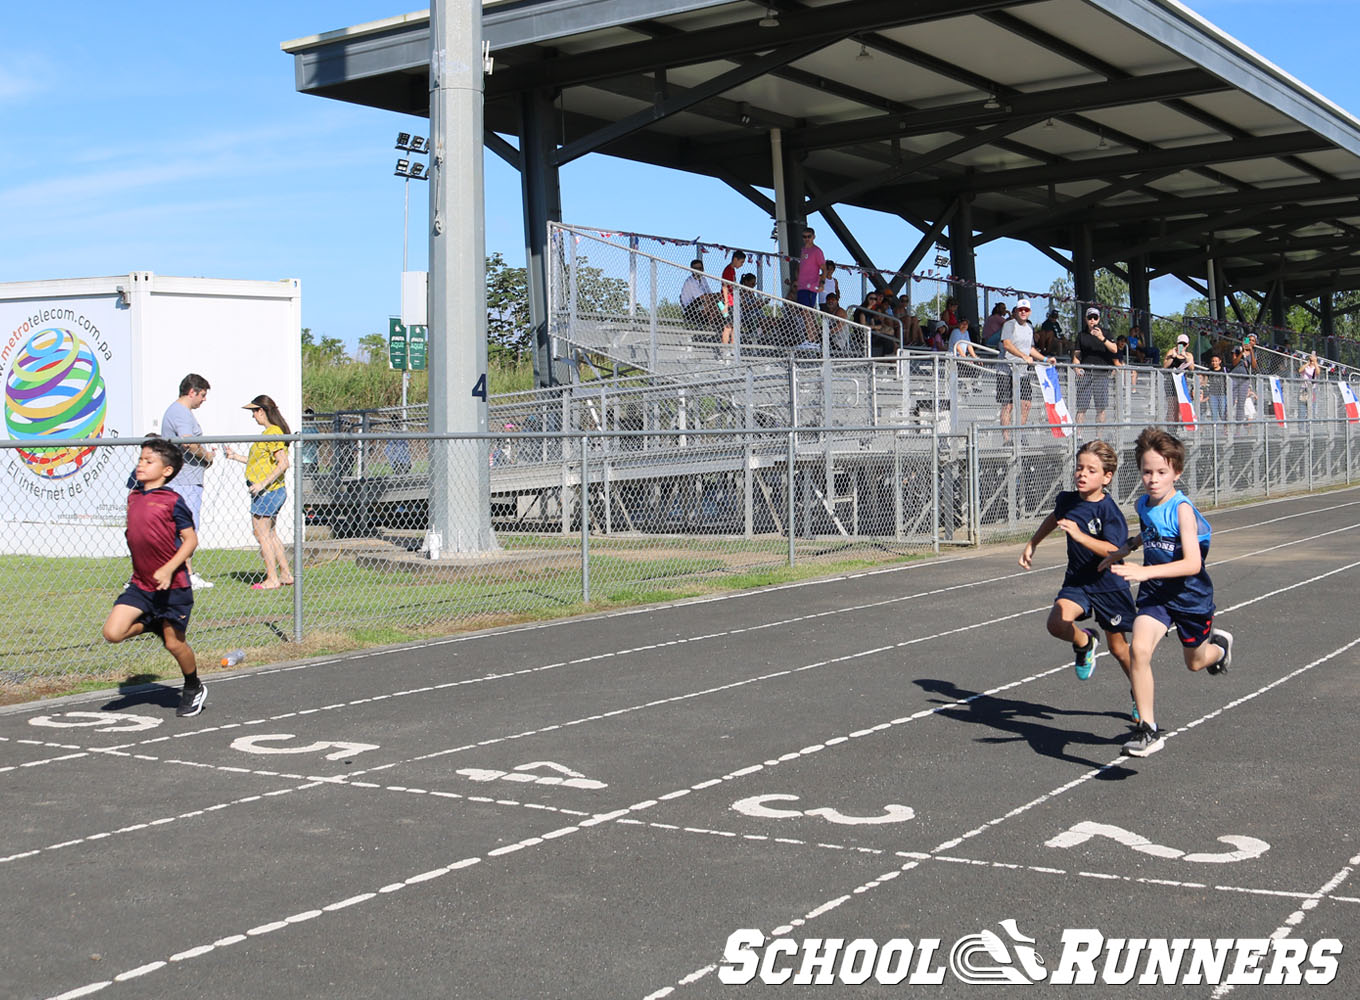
(729, 291)
(160, 537)
(1174, 587)
(830, 286)
(1095, 528)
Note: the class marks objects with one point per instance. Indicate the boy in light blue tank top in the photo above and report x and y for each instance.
(1174, 588)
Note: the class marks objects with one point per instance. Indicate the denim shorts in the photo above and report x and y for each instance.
(268, 503)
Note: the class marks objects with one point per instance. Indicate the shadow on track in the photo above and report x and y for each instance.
(1025, 720)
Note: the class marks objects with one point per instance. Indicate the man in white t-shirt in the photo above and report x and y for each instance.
(1017, 346)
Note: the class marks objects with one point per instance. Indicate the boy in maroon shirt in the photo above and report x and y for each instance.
(160, 536)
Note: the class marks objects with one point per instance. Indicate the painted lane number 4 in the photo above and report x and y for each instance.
(1246, 847)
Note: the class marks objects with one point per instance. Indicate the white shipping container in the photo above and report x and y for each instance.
(103, 357)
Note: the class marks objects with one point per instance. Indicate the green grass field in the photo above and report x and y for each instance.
(56, 608)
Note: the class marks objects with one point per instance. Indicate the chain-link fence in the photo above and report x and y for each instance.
(624, 496)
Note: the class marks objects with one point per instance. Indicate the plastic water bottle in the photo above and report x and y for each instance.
(233, 658)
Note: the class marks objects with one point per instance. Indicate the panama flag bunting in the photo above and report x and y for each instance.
(1184, 400)
(1348, 401)
(1058, 418)
(1277, 399)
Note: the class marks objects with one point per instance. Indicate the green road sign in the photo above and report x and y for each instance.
(396, 345)
(416, 347)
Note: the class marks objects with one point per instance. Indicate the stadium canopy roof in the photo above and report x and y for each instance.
(1135, 125)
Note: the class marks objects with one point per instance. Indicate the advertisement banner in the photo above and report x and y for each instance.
(67, 368)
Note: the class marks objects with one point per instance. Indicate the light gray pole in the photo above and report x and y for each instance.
(460, 482)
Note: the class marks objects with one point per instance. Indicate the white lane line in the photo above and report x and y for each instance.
(1297, 917)
(577, 661)
(1120, 761)
(618, 814)
(978, 863)
(704, 692)
(314, 783)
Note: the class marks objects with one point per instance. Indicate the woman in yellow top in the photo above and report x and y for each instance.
(266, 464)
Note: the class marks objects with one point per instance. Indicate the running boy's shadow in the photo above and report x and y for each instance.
(1024, 720)
(142, 689)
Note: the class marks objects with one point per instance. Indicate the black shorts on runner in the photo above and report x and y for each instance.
(1113, 609)
(173, 605)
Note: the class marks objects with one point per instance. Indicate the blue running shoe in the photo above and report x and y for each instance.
(1085, 663)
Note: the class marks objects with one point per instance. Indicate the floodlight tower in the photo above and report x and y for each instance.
(410, 170)
(460, 476)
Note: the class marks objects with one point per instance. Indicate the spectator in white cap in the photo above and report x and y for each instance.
(1178, 359)
(1017, 346)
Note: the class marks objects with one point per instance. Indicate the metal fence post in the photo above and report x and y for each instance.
(1265, 451)
(584, 507)
(935, 484)
(651, 321)
(788, 489)
(974, 486)
(299, 538)
(900, 527)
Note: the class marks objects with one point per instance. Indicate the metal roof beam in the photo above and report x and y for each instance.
(1097, 168)
(1292, 193)
(1063, 209)
(729, 40)
(1038, 105)
(677, 102)
(917, 164)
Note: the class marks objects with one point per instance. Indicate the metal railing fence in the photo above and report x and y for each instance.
(586, 516)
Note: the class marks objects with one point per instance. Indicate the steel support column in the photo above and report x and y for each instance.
(1140, 292)
(962, 262)
(460, 481)
(542, 196)
(1083, 265)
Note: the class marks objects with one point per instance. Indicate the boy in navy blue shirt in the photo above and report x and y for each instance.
(1095, 528)
(161, 537)
(1174, 588)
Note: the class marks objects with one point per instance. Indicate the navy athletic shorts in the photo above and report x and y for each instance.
(1192, 630)
(173, 605)
(1113, 609)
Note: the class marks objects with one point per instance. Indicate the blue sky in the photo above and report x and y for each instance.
(169, 137)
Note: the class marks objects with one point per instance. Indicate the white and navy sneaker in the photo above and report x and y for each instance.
(198, 583)
(1223, 640)
(191, 701)
(1146, 741)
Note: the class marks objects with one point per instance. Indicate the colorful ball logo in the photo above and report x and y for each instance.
(54, 391)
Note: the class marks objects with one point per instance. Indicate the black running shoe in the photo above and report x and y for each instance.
(191, 701)
(1146, 741)
(1223, 640)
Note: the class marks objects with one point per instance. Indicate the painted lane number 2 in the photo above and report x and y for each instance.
(1246, 847)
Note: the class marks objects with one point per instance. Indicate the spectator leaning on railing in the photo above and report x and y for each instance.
(1017, 345)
